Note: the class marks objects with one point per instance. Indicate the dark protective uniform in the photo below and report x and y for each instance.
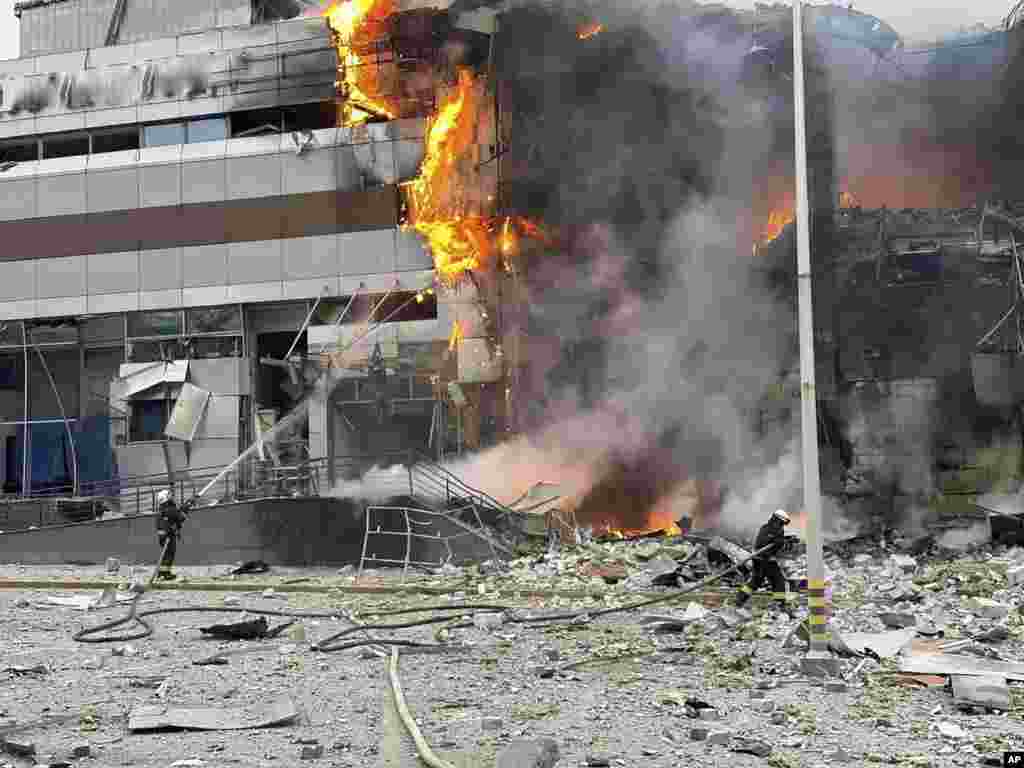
(168, 530)
(765, 567)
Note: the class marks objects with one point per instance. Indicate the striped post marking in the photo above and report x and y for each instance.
(818, 607)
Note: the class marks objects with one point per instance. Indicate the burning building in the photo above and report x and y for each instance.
(519, 227)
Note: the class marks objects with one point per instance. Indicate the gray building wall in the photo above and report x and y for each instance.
(62, 25)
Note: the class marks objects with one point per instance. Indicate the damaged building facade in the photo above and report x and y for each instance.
(192, 237)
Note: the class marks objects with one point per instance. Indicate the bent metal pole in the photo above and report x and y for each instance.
(808, 397)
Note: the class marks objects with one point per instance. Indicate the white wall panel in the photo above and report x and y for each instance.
(160, 269)
(250, 177)
(61, 277)
(306, 257)
(364, 253)
(160, 185)
(61, 195)
(113, 190)
(203, 182)
(204, 265)
(17, 199)
(254, 262)
(112, 272)
(17, 280)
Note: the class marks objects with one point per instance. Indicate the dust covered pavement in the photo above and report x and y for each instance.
(682, 683)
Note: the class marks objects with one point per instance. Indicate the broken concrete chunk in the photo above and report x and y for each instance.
(840, 756)
(17, 747)
(525, 753)
(835, 686)
(81, 750)
(778, 718)
(1015, 575)
(988, 609)
(212, 718)
(491, 723)
(951, 731)
(981, 691)
(721, 738)
(765, 707)
(311, 752)
(904, 563)
(488, 621)
(699, 734)
(898, 620)
(598, 762)
(754, 747)
(709, 715)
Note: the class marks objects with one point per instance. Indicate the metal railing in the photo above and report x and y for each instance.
(424, 480)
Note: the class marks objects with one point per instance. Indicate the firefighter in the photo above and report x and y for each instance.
(169, 519)
(765, 567)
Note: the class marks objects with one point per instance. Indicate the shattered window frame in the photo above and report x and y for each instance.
(137, 332)
(204, 321)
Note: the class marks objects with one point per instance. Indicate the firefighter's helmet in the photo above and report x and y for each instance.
(780, 514)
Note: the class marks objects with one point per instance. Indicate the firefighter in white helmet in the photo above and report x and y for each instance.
(771, 537)
(169, 519)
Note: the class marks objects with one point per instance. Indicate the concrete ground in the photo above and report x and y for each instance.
(617, 692)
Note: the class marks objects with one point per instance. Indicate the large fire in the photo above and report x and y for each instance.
(590, 30)
(355, 23)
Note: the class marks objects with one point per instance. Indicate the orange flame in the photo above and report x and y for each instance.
(457, 336)
(459, 241)
(350, 22)
(847, 200)
(778, 220)
(588, 31)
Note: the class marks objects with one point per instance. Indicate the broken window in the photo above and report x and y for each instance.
(203, 349)
(163, 134)
(158, 323)
(256, 122)
(207, 129)
(115, 140)
(148, 419)
(214, 319)
(19, 151)
(67, 145)
(310, 117)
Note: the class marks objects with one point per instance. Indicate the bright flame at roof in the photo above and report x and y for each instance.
(778, 220)
(589, 30)
(358, 80)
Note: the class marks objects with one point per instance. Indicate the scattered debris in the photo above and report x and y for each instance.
(281, 712)
(989, 692)
(541, 753)
(216, 660)
(949, 664)
(20, 671)
(18, 748)
(251, 566)
(749, 746)
(951, 731)
(254, 629)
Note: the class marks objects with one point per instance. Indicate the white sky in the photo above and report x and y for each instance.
(914, 19)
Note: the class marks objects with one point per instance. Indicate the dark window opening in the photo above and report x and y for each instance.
(115, 141)
(218, 346)
(214, 319)
(266, 11)
(19, 151)
(255, 122)
(311, 117)
(148, 420)
(71, 145)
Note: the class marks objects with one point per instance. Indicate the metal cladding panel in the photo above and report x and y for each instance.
(159, 185)
(17, 199)
(364, 253)
(113, 190)
(221, 418)
(250, 177)
(66, 25)
(307, 257)
(204, 182)
(376, 162)
(254, 262)
(61, 277)
(94, 20)
(160, 269)
(312, 171)
(112, 272)
(61, 195)
(223, 376)
(204, 265)
(18, 281)
(38, 30)
(411, 252)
